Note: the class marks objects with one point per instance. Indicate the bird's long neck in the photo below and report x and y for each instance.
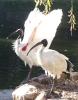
(39, 54)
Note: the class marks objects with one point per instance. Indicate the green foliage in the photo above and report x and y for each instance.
(47, 6)
(72, 20)
(46, 3)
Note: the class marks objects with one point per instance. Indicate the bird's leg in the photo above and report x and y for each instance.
(29, 74)
(51, 84)
(28, 77)
(51, 81)
(51, 87)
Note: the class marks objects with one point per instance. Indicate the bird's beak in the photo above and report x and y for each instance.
(44, 42)
(39, 43)
(20, 31)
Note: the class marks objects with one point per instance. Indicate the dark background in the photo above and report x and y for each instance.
(13, 14)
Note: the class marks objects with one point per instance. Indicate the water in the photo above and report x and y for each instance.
(6, 94)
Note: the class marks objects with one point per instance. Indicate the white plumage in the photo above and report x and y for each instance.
(37, 27)
(51, 61)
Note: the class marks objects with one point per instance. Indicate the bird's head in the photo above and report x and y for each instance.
(17, 42)
(18, 32)
(44, 42)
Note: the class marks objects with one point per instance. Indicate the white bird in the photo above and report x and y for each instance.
(37, 27)
(52, 61)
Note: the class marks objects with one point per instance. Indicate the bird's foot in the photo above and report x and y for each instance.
(51, 87)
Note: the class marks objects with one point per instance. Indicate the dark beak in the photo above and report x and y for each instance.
(39, 43)
(19, 31)
(44, 42)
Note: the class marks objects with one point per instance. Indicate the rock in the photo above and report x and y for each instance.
(70, 95)
(74, 76)
(39, 88)
(25, 92)
(41, 96)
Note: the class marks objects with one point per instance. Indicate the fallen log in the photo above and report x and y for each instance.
(38, 88)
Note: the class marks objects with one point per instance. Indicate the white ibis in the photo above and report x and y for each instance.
(37, 27)
(52, 61)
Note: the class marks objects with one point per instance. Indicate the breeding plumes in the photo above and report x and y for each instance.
(52, 61)
(37, 27)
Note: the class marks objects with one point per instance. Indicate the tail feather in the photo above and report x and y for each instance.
(70, 66)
